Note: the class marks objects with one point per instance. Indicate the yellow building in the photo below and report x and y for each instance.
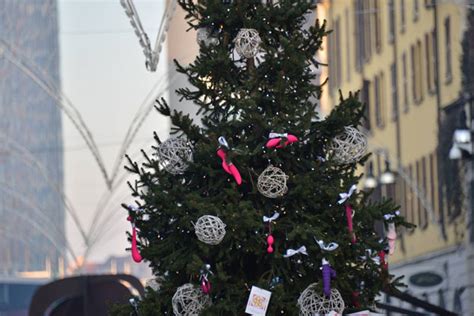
(404, 56)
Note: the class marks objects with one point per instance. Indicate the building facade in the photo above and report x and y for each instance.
(32, 236)
(405, 59)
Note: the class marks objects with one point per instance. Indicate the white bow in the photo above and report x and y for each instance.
(345, 196)
(223, 141)
(329, 247)
(271, 219)
(292, 252)
(133, 208)
(369, 252)
(275, 135)
(388, 217)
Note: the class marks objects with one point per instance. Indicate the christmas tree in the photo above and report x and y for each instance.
(262, 193)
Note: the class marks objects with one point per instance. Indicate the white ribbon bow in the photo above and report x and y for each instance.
(388, 217)
(292, 252)
(345, 196)
(133, 208)
(329, 247)
(275, 135)
(271, 219)
(223, 141)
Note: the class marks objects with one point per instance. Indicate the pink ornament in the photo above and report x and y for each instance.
(205, 285)
(221, 153)
(135, 253)
(270, 242)
(281, 140)
(228, 166)
(349, 215)
(392, 237)
(235, 173)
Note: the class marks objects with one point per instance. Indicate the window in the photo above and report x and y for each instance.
(379, 101)
(337, 48)
(411, 202)
(365, 98)
(447, 34)
(393, 89)
(359, 34)
(391, 21)
(433, 193)
(405, 82)
(417, 72)
(377, 30)
(430, 62)
(417, 182)
(423, 184)
(416, 10)
(366, 14)
(402, 16)
(348, 46)
(335, 69)
(413, 72)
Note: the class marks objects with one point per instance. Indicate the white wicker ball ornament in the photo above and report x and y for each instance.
(204, 37)
(311, 302)
(210, 229)
(349, 147)
(247, 43)
(189, 301)
(175, 154)
(272, 182)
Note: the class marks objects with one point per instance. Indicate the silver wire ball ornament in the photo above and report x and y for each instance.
(349, 146)
(205, 37)
(189, 301)
(272, 182)
(175, 154)
(311, 302)
(247, 43)
(210, 229)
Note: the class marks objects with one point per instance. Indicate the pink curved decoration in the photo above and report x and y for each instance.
(221, 153)
(235, 173)
(205, 286)
(276, 142)
(349, 222)
(135, 253)
(273, 142)
(392, 238)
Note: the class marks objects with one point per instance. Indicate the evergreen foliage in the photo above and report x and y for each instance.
(244, 100)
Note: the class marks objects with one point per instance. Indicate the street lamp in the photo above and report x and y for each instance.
(370, 180)
(387, 176)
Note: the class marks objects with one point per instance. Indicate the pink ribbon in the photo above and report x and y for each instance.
(280, 140)
(349, 215)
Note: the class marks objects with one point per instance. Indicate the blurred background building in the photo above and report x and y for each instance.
(406, 59)
(31, 158)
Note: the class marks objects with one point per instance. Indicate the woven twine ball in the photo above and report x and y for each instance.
(272, 182)
(312, 303)
(189, 301)
(210, 229)
(204, 37)
(175, 154)
(247, 43)
(349, 147)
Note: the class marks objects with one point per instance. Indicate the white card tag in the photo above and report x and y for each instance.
(258, 301)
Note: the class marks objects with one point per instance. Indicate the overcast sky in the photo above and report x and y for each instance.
(103, 74)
